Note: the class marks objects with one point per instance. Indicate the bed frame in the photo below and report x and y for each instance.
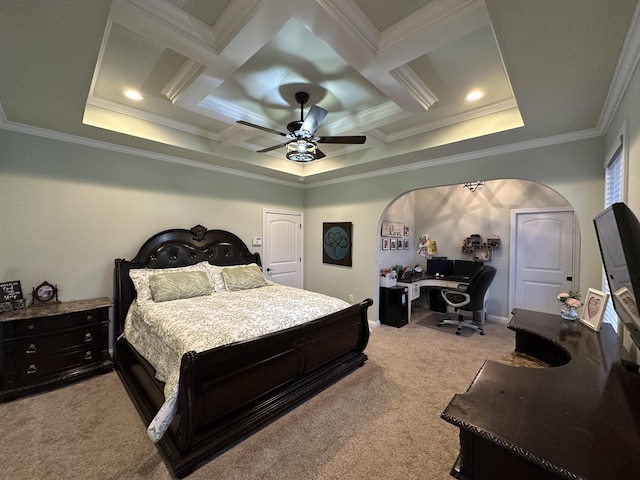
(228, 392)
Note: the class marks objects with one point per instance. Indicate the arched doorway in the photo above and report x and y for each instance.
(449, 214)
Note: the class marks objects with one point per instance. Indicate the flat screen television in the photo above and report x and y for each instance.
(466, 268)
(618, 232)
(439, 266)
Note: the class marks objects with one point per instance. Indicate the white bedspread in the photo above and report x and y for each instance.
(164, 332)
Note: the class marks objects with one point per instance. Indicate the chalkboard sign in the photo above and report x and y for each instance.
(11, 296)
(10, 291)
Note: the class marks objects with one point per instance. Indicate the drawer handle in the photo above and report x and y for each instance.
(32, 369)
(89, 317)
(88, 355)
(31, 326)
(88, 337)
(31, 349)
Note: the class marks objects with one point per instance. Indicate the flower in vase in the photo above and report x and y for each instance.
(570, 298)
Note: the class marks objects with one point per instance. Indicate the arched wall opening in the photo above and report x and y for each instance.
(449, 214)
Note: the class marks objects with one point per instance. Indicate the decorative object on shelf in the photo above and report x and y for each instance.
(336, 243)
(422, 245)
(473, 186)
(11, 296)
(594, 306)
(570, 302)
(44, 294)
(481, 250)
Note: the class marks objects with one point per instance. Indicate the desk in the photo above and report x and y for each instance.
(424, 280)
(579, 419)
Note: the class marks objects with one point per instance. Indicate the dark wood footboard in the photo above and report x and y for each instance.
(228, 392)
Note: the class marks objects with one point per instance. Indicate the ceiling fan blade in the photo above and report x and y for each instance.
(253, 125)
(312, 120)
(354, 139)
(264, 150)
(319, 154)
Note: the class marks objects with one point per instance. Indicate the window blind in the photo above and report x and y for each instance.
(613, 192)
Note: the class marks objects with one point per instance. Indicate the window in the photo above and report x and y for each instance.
(613, 192)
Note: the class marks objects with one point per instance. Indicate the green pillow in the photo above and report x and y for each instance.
(243, 277)
(176, 285)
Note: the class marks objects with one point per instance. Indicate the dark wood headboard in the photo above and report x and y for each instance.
(176, 248)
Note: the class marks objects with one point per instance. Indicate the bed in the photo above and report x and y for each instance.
(227, 392)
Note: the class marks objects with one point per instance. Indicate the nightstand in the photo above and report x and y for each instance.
(47, 346)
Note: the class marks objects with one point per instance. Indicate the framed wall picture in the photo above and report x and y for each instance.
(392, 229)
(385, 243)
(337, 243)
(393, 245)
(593, 310)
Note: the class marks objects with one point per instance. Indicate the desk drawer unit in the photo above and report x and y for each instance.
(43, 347)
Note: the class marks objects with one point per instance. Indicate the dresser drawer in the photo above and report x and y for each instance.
(38, 346)
(28, 371)
(38, 326)
(47, 346)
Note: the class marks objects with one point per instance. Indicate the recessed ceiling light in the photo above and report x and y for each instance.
(132, 94)
(474, 95)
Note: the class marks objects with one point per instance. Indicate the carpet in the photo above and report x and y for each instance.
(380, 422)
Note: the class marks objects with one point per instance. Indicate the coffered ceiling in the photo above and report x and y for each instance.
(394, 71)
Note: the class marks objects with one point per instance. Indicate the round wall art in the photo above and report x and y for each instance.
(336, 243)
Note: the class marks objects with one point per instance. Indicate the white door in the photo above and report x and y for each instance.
(542, 258)
(282, 247)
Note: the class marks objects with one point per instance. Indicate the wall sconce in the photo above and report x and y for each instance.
(473, 186)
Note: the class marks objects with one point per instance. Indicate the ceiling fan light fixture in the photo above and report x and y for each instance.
(301, 150)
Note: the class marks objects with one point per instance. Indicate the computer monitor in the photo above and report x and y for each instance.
(466, 268)
(440, 266)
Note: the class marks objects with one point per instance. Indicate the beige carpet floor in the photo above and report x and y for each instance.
(380, 422)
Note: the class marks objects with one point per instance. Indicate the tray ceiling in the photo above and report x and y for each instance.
(397, 72)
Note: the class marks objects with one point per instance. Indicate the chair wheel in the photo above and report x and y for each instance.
(439, 324)
(457, 332)
(481, 332)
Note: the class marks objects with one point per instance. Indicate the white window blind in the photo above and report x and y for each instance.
(613, 192)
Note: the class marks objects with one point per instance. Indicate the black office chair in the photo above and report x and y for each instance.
(469, 298)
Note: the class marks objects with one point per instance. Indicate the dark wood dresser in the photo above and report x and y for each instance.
(578, 419)
(46, 346)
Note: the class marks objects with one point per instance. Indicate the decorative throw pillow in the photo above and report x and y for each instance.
(243, 277)
(140, 278)
(176, 285)
(215, 275)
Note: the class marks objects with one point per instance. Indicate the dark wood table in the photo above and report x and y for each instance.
(578, 419)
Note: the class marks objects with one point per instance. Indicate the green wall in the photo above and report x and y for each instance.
(69, 210)
(574, 170)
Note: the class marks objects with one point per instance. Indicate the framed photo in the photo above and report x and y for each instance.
(406, 244)
(385, 243)
(626, 306)
(392, 229)
(394, 244)
(593, 310)
(337, 243)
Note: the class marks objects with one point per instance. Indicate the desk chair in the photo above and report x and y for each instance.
(469, 298)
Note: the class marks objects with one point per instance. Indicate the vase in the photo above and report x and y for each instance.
(567, 312)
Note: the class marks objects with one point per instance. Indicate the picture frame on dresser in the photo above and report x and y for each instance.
(593, 310)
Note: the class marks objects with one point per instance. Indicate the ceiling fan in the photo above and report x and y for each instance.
(302, 144)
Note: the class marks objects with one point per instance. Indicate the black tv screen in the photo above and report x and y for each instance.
(618, 232)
